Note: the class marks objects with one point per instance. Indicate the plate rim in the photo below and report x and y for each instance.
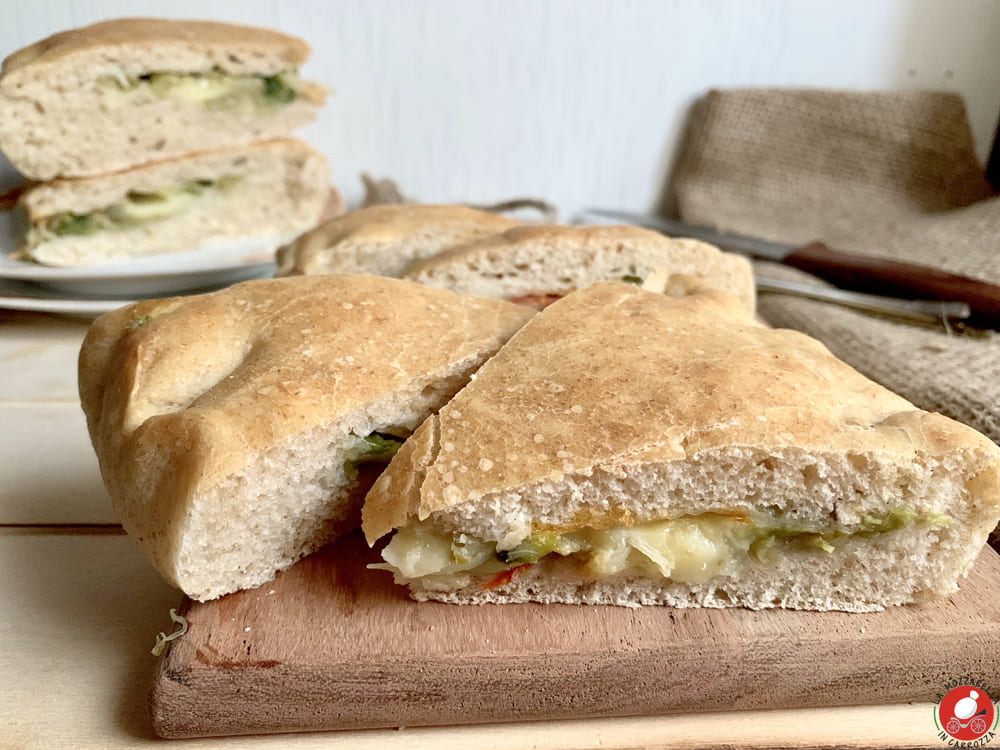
(26, 271)
(62, 304)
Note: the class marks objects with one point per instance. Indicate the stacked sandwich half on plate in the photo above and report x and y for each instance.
(642, 439)
(142, 137)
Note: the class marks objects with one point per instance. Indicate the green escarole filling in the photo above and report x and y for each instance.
(136, 209)
(689, 549)
(373, 450)
(214, 90)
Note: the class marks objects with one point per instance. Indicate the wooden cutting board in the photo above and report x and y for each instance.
(330, 645)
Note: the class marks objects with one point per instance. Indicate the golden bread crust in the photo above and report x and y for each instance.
(145, 32)
(389, 226)
(181, 394)
(612, 377)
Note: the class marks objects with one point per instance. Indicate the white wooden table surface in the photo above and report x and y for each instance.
(79, 608)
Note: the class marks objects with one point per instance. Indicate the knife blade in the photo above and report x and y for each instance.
(923, 312)
(855, 271)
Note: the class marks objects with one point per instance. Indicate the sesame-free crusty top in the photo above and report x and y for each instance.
(224, 43)
(184, 394)
(386, 239)
(614, 378)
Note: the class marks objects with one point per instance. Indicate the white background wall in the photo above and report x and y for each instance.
(579, 101)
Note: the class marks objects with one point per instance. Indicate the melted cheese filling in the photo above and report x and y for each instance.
(135, 209)
(213, 90)
(690, 549)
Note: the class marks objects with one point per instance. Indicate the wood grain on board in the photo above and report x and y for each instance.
(330, 645)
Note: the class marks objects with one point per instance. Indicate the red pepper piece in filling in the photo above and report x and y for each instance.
(539, 301)
(505, 576)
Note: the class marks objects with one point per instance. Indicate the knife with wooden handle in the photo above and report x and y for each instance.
(863, 273)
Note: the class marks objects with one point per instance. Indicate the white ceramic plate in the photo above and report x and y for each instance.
(22, 295)
(212, 265)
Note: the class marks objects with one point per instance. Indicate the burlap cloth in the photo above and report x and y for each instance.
(889, 174)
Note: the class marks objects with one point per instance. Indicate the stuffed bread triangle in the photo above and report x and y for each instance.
(630, 448)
